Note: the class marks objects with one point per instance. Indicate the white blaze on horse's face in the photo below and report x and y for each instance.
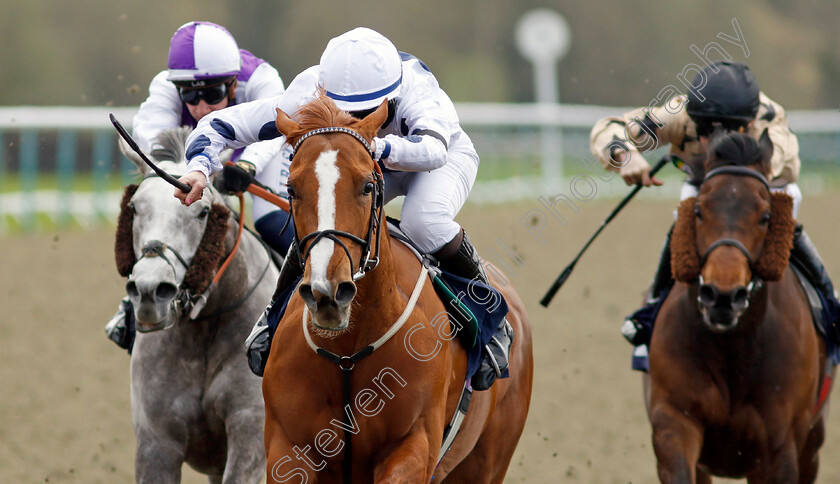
(322, 290)
(326, 172)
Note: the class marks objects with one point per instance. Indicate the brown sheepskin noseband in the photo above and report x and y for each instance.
(207, 258)
(775, 252)
(124, 243)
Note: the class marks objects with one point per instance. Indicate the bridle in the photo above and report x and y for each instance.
(368, 261)
(190, 301)
(755, 282)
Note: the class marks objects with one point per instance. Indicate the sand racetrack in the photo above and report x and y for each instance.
(64, 394)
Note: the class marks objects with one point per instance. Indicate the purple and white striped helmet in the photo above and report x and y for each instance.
(202, 52)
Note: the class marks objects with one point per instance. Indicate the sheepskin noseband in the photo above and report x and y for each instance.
(775, 252)
(207, 258)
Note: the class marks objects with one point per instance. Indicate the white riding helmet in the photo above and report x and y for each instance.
(202, 52)
(359, 69)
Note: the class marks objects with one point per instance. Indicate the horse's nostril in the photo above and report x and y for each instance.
(131, 289)
(345, 293)
(305, 292)
(165, 291)
(708, 295)
(740, 298)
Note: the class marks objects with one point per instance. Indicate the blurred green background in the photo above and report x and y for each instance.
(96, 52)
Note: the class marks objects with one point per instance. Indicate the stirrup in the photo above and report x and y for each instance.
(120, 328)
(634, 332)
(258, 344)
(495, 358)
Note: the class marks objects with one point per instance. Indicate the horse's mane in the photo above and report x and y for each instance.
(734, 149)
(321, 112)
(169, 144)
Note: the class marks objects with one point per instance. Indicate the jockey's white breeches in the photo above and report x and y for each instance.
(433, 198)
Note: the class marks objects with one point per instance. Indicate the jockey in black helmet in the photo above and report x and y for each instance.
(726, 94)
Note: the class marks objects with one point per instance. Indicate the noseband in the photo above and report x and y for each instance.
(737, 171)
(367, 262)
(755, 283)
(195, 288)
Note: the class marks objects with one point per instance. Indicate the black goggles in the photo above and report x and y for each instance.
(210, 95)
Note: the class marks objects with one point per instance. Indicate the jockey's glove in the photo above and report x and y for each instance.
(235, 178)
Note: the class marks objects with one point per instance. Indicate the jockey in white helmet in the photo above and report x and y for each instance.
(206, 72)
(425, 154)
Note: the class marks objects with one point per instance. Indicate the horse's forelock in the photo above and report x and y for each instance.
(169, 145)
(321, 112)
(733, 149)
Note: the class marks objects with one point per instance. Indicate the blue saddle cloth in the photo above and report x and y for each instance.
(486, 304)
(489, 309)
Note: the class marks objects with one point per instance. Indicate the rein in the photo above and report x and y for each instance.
(198, 305)
(347, 363)
(187, 303)
(367, 262)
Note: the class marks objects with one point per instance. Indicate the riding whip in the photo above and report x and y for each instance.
(549, 295)
(133, 144)
(255, 188)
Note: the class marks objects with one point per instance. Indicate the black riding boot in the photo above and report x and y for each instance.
(806, 258)
(633, 330)
(120, 329)
(459, 257)
(258, 344)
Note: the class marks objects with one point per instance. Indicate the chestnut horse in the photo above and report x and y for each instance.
(739, 377)
(365, 375)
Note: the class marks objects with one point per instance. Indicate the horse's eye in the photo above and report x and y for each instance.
(291, 191)
(765, 218)
(697, 212)
(204, 212)
(368, 189)
(133, 208)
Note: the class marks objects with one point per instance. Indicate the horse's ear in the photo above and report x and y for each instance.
(778, 242)
(765, 144)
(369, 126)
(285, 124)
(133, 156)
(685, 261)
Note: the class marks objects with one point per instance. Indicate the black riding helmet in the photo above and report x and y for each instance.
(729, 97)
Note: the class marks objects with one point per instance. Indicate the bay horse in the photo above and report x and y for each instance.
(364, 374)
(193, 398)
(739, 377)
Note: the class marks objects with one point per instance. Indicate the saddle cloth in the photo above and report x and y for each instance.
(475, 309)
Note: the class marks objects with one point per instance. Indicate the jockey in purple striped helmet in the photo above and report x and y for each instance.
(207, 71)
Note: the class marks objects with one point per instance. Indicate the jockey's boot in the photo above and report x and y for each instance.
(258, 343)
(459, 257)
(120, 329)
(805, 257)
(633, 330)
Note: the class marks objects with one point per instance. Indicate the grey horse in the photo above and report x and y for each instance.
(193, 398)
